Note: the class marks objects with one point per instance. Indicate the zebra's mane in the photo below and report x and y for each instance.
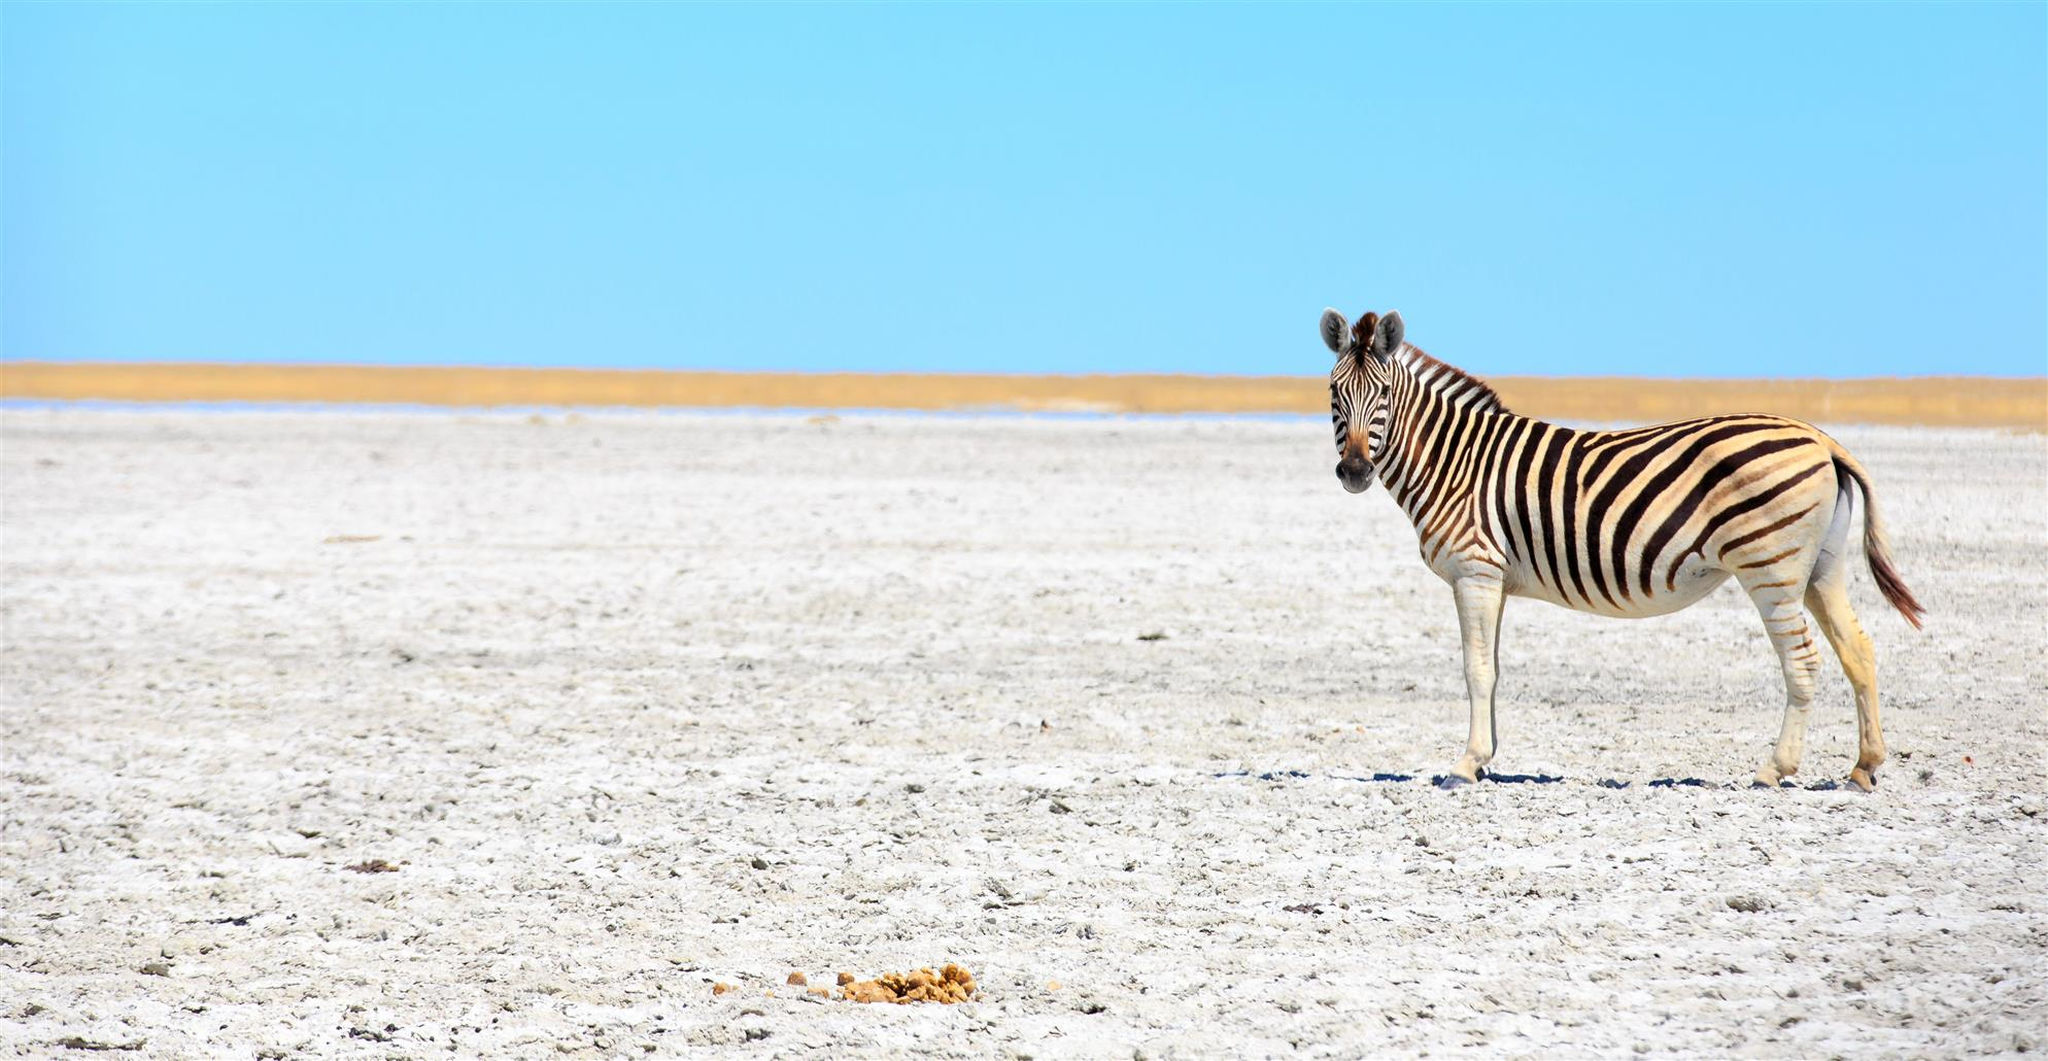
(1461, 387)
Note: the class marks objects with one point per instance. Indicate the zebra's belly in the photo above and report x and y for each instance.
(1695, 580)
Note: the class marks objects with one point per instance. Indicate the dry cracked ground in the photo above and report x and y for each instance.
(408, 734)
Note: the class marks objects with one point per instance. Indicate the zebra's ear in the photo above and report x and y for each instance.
(1386, 338)
(1336, 331)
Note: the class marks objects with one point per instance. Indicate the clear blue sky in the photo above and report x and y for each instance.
(1746, 190)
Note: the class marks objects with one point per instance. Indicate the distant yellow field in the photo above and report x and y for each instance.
(1955, 401)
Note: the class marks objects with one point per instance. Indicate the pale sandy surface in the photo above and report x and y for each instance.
(642, 702)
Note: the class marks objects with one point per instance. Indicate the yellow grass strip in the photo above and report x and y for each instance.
(1957, 401)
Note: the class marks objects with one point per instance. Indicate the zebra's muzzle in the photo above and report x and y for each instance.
(1355, 473)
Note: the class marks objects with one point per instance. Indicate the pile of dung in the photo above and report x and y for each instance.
(948, 985)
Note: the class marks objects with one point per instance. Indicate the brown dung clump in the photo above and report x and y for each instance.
(948, 985)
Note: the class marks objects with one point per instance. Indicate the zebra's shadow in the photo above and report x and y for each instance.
(1487, 777)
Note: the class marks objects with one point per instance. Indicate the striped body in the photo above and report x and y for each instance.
(1622, 523)
(1627, 523)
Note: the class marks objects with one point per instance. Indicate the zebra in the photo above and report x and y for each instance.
(1627, 523)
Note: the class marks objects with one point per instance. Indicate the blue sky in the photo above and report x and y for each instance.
(1729, 190)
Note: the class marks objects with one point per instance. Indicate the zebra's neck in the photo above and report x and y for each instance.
(1432, 409)
(1453, 384)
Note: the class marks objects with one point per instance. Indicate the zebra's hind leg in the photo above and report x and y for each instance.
(1777, 600)
(1828, 599)
(1479, 605)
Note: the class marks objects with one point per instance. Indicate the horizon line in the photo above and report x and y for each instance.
(1951, 401)
(99, 364)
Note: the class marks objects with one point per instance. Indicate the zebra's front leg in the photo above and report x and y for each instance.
(1479, 604)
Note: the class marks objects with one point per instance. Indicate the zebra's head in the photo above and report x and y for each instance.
(1359, 389)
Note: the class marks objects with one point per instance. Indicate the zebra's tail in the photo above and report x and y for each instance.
(1875, 548)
